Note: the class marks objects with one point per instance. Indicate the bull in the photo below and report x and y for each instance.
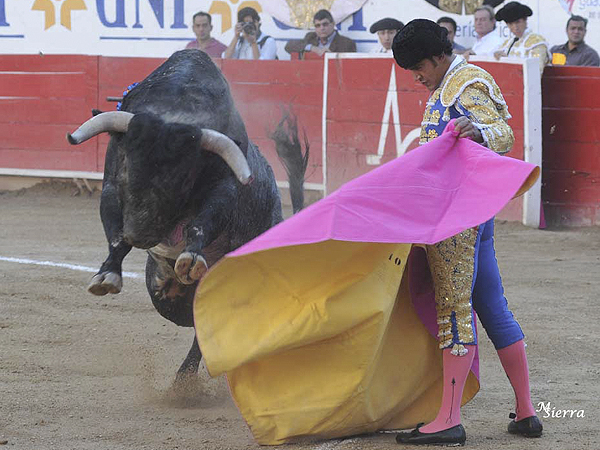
(183, 181)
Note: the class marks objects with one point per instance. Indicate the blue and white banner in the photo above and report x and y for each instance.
(157, 28)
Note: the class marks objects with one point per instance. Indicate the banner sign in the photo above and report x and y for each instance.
(157, 28)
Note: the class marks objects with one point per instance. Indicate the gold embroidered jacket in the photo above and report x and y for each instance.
(530, 45)
(468, 90)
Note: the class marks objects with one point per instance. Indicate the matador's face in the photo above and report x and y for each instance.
(430, 71)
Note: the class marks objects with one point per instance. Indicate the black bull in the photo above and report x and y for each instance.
(183, 181)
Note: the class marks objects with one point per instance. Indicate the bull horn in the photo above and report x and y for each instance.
(109, 121)
(218, 143)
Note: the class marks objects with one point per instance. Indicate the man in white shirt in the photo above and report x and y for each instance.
(386, 29)
(488, 40)
(248, 41)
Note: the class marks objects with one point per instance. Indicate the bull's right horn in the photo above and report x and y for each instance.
(218, 143)
(109, 121)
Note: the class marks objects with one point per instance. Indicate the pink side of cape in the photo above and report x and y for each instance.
(424, 196)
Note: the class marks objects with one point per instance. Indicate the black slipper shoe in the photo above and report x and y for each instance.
(528, 427)
(451, 437)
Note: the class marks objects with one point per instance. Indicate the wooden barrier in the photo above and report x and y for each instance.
(357, 114)
(571, 176)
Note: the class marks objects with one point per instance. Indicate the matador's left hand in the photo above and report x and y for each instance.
(466, 129)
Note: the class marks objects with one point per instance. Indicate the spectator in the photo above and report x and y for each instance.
(450, 24)
(325, 38)
(202, 26)
(248, 41)
(575, 52)
(487, 41)
(525, 43)
(386, 29)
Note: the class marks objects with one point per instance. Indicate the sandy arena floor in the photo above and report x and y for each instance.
(84, 372)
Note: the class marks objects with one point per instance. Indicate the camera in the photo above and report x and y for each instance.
(249, 28)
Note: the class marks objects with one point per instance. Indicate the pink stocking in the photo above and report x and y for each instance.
(456, 369)
(514, 361)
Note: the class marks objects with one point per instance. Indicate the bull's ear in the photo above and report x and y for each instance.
(240, 146)
(95, 112)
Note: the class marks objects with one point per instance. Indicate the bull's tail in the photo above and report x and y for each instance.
(290, 154)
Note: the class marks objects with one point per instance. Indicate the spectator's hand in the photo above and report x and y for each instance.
(466, 129)
(239, 28)
(319, 50)
(499, 54)
(467, 53)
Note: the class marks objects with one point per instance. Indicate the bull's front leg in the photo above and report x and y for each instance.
(109, 279)
(204, 229)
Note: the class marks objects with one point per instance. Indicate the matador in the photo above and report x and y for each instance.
(464, 268)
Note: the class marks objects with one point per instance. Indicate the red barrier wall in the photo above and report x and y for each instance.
(43, 97)
(263, 91)
(571, 165)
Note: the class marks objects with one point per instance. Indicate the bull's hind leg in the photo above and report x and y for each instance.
(191, 363)
(174, 301)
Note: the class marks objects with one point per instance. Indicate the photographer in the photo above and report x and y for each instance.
(248, 41)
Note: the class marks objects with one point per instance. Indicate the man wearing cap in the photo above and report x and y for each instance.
(464, 267)
(386, 29)
(575, 52)
(524, 43)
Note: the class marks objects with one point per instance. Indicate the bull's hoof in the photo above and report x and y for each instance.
(190, 267)
(105, 283)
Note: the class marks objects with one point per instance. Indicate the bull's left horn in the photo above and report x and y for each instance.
(109, 121)
(218, 143)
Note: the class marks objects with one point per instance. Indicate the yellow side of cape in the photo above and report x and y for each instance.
(320, 340)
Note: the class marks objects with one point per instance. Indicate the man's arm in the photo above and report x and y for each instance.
(482, 111)
(228, 54)
(351, 45)
(541, 52)
(502, 50)
(251, 39)
(269, 49)
(592, 59)
(342, 44)
(298, 45)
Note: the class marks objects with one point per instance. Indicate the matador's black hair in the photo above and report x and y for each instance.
(418, 40)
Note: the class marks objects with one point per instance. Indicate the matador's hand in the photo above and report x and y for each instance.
(466, 129)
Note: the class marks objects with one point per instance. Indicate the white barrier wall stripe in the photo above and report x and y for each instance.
(64, 265)
(532, 139)
(328, 56)
(51, 173)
